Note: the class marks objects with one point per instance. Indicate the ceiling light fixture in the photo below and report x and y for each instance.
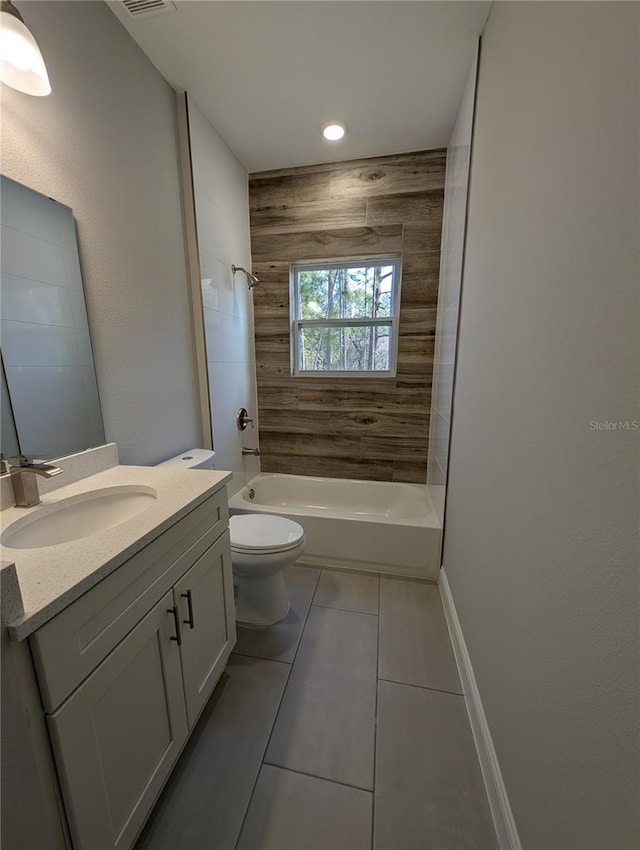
(21, 64)
(333, 131)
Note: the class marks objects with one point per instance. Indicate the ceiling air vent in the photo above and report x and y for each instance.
(147, 8)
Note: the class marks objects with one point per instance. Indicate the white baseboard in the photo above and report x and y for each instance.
(503, 820)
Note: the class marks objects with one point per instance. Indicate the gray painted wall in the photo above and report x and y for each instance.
(104, 143)
(541, 547)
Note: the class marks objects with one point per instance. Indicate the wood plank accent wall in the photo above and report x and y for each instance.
(367, 428)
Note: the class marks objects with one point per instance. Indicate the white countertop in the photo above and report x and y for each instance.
(52, 577)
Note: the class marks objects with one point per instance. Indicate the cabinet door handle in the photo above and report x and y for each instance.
(176, 620)
(187, 596)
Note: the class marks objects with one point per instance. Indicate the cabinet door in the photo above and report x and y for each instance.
(204, 596)
(118, 735)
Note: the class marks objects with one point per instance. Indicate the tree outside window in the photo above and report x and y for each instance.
(344, 316)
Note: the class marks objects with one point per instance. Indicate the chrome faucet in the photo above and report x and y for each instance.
(255, 452)
(24, 481)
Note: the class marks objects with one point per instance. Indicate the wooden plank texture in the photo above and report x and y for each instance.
(373, 422)
(325, 445)
(411, 158)
(281, 421)
(418, 206)
(409, 472)
(409, 448)
(364, 428)
(322, 244)
(307, 397)
(423, 263)
(416, 348)
(419, 289)
(330, 467)
(420, 236)
(273, 347)
(389, 178)
(417, 320)
(289, 189)
(345, 212)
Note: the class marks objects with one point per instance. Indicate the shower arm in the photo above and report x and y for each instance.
(252, 279)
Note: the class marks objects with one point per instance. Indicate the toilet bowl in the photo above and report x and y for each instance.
(261, 546)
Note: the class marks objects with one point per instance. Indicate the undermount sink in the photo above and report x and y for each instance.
(77, 517)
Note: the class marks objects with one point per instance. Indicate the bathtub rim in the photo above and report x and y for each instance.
(430, 520)
(426, 536)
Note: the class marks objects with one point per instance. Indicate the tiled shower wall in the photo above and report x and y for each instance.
(222, 223)
(453, 231)
(367, 428)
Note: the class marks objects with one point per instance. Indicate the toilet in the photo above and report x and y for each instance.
(262, 545)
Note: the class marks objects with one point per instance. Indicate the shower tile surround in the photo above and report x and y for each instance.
(222, 224)
(274, 764)
(453, 233)
(366, 428)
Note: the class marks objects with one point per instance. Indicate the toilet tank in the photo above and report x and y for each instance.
(192, 459)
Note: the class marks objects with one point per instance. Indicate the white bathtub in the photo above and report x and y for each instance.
(364, 525)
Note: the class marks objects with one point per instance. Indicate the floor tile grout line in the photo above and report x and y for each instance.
(275, 716)
(306, 620)
(261, 762)
(422, 687)
(284, 690)
(277, 712)
(375, 725)
(337, 608)
(261, 658)
(321, 778)
(346, 610)
(313, 595)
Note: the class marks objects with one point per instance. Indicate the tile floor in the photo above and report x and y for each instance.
(341, 728)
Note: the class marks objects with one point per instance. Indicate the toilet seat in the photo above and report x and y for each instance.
(255, 534)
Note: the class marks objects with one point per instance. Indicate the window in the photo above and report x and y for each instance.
(344, 317)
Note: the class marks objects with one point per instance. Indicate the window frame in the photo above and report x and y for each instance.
(393, 321)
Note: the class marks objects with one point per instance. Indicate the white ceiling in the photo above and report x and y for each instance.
(268, 74)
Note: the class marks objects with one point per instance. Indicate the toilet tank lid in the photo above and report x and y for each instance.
(192, 459)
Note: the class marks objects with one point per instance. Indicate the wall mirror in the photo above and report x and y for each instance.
(50, 403)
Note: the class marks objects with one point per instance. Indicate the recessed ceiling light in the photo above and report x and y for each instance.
(333, 131)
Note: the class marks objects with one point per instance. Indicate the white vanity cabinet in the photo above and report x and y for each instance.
(117, 736)
(119, 715)
(203, 596)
